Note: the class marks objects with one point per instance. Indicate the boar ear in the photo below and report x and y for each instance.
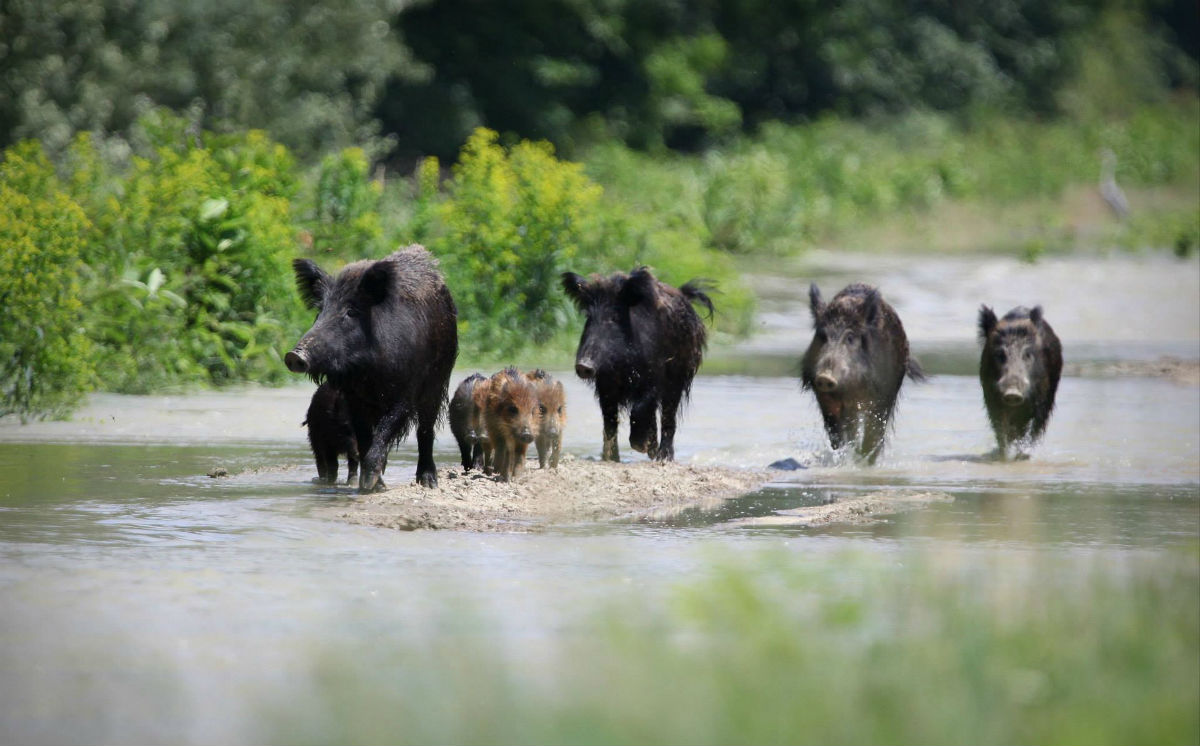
(311, 281)
(871, 306)
(815, 304)
(639, 287)
(576, 289)
(987, 322)
(377, 281)
(1036, 315)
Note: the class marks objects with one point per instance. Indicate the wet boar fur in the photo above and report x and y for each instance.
(1019, 371)
(466, 422)
(641, 346)
(552, 416)
(330, 434)
(511, 420)
(855, 365)
(385, 336)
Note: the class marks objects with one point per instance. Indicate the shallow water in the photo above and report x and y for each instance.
(142, 600)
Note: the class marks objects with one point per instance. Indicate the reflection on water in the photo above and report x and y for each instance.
(127, 570)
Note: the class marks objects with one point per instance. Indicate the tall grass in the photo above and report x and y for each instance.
(776, 647)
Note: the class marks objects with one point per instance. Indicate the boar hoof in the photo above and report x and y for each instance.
(427, 479)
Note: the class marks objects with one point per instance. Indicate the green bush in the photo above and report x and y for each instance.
(513, 220)
(190, 278)
(344, 216)
(45, 358)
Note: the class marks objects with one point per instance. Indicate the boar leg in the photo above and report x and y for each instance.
(518, 458)
(611, 415)
(351, 467)
(426, 468)
(477, 456)
(555, 451)
(543, 450)
(670, 409)
(643, 426)
(326, 458)
(500, 459)
(874, 429)
(465, 448)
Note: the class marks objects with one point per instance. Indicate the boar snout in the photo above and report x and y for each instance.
(1014, 397)
(296, 362)
(825, 383)
(585, 368)
(525, 435)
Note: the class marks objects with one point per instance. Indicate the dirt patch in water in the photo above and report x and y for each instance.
(853, 510)
(576, 492)
(1184, 372)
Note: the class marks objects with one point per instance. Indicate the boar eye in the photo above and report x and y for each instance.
(353, 312)
(1027, 354)
(541, 409)
(1000, 356)
(560, 410)
(511, 410)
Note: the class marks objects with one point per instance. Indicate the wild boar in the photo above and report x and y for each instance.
(465, 421)
(511, 420)
(855, 365)
(1019, 371)
(641, 346)
(552, 416)
(330, 434)
(386, 337)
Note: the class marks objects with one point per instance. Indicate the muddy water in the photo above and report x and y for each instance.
(143, 601)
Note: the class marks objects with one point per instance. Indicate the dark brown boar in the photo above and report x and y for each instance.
(511, 420)
(855, 364)
(641, 346)
(330, 434)
(1019, 371)
(386, 337)
(465, 421)
(552, 416)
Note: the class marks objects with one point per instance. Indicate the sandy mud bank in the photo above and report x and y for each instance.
(576, 492)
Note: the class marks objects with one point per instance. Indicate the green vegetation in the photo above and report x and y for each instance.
(792, 187)
(45, 364)
(782, 647)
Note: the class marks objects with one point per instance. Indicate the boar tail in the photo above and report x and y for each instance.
(696, 291)
(914, 371)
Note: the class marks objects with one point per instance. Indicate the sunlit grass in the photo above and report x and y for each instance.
(919, 646)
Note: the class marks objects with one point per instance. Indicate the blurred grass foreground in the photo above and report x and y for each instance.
(937, 646)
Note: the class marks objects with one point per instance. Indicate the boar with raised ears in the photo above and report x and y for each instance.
(855, 365)
(552, 416)
(465, 422)
(386, 337)
(512, 421)
(330, 434)
(641, 346)
(1019, 371)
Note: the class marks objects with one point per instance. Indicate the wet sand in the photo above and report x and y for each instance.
(576, 492)
(591, 491)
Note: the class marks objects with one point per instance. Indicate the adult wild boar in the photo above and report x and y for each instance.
(386, 337)
(1019, 371)
(855, 365)
(330, 434)
(641, 346)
